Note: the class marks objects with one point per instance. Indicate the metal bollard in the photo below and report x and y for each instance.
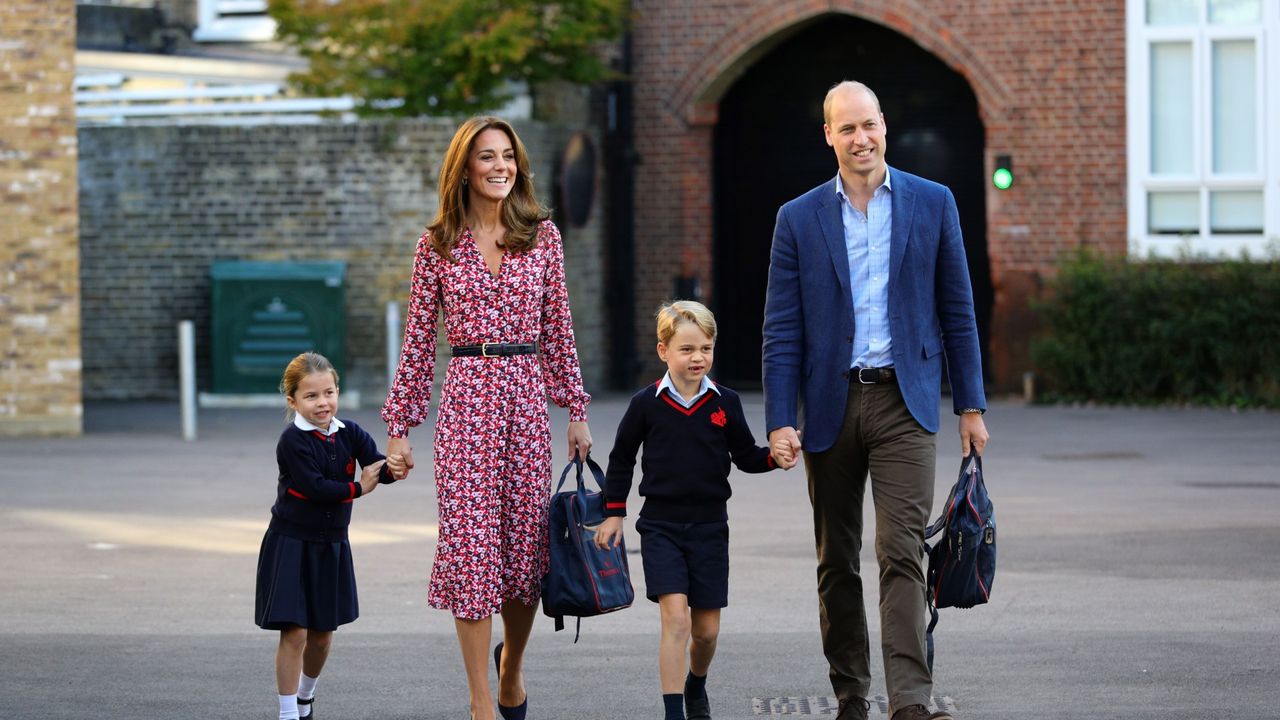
(187, 377)
(393, 341)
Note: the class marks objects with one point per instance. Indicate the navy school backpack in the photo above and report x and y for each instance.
(582, 580)
(962, 562)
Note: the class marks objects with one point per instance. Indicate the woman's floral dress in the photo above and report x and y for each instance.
(493, 435)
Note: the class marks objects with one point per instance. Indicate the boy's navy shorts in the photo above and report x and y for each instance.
(688, 558)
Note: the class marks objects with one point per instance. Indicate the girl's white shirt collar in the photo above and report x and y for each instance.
(334, 425)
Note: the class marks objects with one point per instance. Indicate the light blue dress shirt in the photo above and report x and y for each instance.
(866, 238)
(703, 388)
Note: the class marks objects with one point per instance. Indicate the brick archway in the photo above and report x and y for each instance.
(703, 55)
(699, 91)
(767, 148)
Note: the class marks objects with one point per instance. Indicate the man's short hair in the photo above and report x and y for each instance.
(845, 85)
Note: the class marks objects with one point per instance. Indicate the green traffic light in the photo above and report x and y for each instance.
(1002, 178)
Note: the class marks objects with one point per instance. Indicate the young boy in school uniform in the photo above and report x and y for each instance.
(691, 428)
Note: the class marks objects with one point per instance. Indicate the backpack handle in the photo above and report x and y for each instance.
(973, 459)
(970, 467)
(577, 463)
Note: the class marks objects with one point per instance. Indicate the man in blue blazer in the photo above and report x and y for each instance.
(868, 296)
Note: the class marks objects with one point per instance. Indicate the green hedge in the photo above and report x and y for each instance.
(1161, 331)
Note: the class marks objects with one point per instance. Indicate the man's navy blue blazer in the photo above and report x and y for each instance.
(808, 314)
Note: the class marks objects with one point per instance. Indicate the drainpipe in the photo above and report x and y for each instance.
(620, 160)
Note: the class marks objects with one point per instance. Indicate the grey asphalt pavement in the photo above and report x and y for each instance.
(1138, 578)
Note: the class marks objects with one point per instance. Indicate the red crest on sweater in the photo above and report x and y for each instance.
(719, 418)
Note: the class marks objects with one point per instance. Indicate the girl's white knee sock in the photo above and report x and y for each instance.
(306, 691)
(288, 707)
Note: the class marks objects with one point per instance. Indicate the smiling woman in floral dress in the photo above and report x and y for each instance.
(492, 262)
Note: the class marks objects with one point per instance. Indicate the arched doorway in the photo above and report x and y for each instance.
(768, 148)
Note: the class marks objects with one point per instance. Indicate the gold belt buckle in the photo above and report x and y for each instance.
(484, 350)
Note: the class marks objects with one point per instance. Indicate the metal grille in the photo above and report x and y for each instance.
(1245, 485)
(829, 706)
(1116, 455)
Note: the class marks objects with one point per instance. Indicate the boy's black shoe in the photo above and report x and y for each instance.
(698, 708)
(920, 712)
(310, 715)
(853, 708)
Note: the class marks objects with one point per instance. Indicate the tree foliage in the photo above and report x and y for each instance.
(442, 57)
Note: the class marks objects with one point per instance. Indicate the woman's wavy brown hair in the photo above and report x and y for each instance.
(521, 211)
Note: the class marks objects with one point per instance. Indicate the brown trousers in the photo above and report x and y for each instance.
(879, 437)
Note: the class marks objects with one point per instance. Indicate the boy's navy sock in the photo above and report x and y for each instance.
(694, 686)
(674, 703)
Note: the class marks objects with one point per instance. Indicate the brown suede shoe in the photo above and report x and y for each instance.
(854, 708)
(920, 712)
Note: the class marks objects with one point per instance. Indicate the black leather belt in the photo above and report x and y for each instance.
(494, 349)
(874, 376)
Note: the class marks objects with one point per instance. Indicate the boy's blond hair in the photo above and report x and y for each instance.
(672, 314)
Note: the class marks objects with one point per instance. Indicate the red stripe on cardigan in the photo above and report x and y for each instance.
(683, 409)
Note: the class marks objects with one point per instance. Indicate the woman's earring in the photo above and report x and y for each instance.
(464, 181)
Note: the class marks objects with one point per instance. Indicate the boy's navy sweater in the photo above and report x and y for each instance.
(317, 480)
(685, 466)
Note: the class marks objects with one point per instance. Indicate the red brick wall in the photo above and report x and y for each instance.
(1049, 79)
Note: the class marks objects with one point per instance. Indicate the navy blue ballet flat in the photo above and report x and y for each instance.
(508, 713)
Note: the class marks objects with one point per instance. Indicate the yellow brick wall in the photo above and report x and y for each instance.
(39, 221)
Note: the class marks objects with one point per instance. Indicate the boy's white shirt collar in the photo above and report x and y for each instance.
(334, 425)
(703, 387)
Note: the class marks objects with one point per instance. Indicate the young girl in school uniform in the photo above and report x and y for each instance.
(306, 582)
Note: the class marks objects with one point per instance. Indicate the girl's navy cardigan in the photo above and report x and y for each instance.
(685, 465)
(317, 480)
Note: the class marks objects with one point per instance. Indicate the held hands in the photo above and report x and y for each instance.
(784, 445)
(397, 466)
(609, 533)
(783, 456)
(369, 477)
(579, 440)
(399, 448)
(972, 431)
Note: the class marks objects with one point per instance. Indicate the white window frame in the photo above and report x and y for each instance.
(233, 21)
(1139, 38)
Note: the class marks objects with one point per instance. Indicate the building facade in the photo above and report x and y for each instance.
(1144, 127)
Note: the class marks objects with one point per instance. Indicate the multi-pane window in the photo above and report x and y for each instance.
(1204, 167)
(234, 21)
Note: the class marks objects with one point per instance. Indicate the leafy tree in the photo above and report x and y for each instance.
(442, 57)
